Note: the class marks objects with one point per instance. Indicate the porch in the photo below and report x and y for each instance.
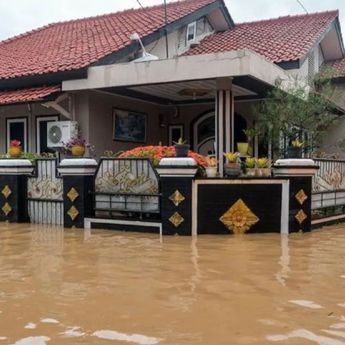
(208, 100)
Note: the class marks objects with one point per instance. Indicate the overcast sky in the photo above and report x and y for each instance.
(18, 16)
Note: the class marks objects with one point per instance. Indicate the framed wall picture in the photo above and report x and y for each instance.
(17, 129)
(129, 126)
(175, 133)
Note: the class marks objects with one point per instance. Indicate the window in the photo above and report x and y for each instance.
(17, 129)
(191, 32)
(42, 133)
(175, 133)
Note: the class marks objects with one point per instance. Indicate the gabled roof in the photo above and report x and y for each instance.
(75, 44)
(28, 95)
(282, 39)
(338, 68)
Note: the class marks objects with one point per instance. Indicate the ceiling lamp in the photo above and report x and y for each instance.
(195, 93)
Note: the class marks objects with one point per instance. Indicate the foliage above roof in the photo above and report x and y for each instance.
(282, 39)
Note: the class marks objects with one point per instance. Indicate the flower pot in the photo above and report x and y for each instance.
(265, 172)
(182, 150)
(15, 151)
(243, 148)
(211, 172)
(78, 151)
(252, 172)
(232, 169)
(294, 152)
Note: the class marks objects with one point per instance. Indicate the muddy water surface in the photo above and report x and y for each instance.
(117, 288)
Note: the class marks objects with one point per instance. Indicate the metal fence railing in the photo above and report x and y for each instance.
(45, 194)
(127, 187)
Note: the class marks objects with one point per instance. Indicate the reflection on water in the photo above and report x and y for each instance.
(76, 287)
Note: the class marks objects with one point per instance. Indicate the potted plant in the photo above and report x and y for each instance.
(232, 167)
(264, 167)
(251, 166)
(211, 167)
(243, 148)
(76, 147)
(15, 149)
(181, 148)
(295, 150)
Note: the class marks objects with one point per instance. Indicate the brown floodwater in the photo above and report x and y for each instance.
(75, 287)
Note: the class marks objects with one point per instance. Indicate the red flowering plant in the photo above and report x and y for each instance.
(15, 143)
(156, 153)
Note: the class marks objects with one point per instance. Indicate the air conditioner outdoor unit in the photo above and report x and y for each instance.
(61, 132)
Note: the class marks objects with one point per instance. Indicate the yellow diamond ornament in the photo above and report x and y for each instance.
(176, 219)
(6, 192)
(73, 213)
(73, 194)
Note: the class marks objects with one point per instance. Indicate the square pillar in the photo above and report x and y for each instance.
(177, 176)
(224, 117)
(13, 190)
(78, 190)
(300, 173)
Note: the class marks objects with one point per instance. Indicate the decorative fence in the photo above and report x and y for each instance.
(329, 184)
(45, 194)
(127, 187)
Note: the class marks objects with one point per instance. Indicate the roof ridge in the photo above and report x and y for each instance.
(312, 14)
(106, 15)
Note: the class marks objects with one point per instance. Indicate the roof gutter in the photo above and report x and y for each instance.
(42, 79)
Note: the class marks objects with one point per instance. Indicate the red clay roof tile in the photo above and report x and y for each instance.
(79, 43)
(338, 67)
(27, 95)
(282, 39)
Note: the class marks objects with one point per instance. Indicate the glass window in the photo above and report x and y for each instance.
(191, 32)
(17, 130)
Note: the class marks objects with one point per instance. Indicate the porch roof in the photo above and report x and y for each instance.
(248, 70)
(28, 95)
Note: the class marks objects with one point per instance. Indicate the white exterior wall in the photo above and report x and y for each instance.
(159, 48)
(175, 45)
(303, 71)
(336, 133)
(101, 107)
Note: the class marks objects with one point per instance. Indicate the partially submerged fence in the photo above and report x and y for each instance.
(45, 194)
(127, 187)
(127, 194)
(328, 196)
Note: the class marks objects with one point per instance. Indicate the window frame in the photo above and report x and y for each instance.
(39, 119)
(194, 26)
(24, 120)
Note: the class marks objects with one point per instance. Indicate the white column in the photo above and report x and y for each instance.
(224, 124)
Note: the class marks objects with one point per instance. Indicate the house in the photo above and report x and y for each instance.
(208, 68)
(335, 135)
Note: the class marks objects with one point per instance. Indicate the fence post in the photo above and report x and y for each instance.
(300, 173)
(13, 190)
(78, 181)
(176, 185)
